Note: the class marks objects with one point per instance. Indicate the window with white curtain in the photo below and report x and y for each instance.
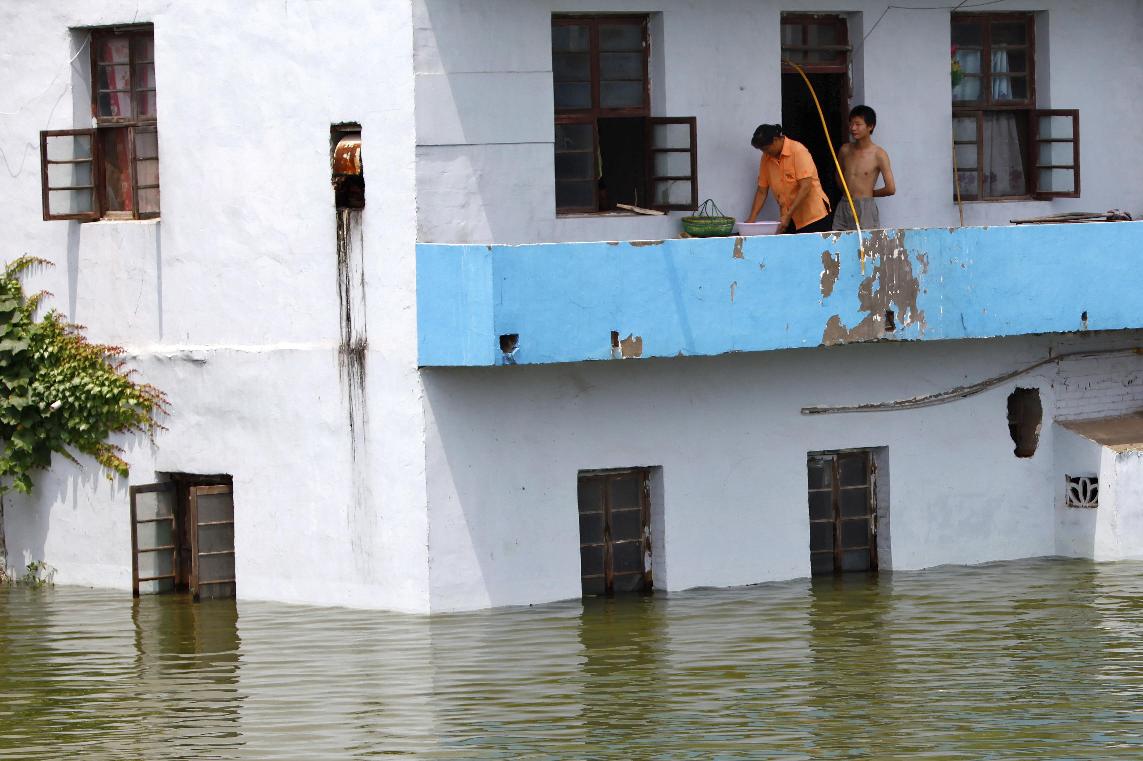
(1003, 146)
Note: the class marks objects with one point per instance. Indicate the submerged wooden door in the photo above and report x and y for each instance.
(154, 539)
(843, 519)
(614, 532)
(211, 517)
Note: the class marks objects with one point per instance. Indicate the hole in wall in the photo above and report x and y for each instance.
(890, 321)
(1083, 319)
(348, 171)
(615, 339)
(1025, 415)
(509, 342)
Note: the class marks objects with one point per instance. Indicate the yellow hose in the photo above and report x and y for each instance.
(836, 163)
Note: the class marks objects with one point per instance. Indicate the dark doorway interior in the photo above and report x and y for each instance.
(622, 152)
(801, 121)
(843, 515)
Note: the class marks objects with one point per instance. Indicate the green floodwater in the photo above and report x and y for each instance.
(1038, 659)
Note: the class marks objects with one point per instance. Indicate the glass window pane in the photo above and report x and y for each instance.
(69, 175)
(575, 166)
(154, 534)
(620, 36)
(154, 504)
(575, 195)
(1004, 153)
(571, 67)
(1056, 127)
(621, 94)
(68, 147)
(821, 505)
(854, 534)
(570, 38)
(853, 470)
(215, 567)
(591, 528)
(625, 491)
(144, 48)
(1057, 181)
(855, 560)
(823, 34)
(160, 586)
(964, 128)
(821, 472)
(215, 507)
(969, 184)
(66, 202)
(115, 104)
(821, 536)
(792, 34)
(590, 494)
(116, 169)
(627, 557)
(112, 49)
(571, 96)
(626, 525)
(854, 502)
(1010, 33)
(1018, 61)
(158, 563)
(148, 201)
(574, 137)
(145, 76)
(821, 562)
(672, 164)
(1056, 154)
(216, 538)
(591, 560)
(967, 33)
(146, 143)
(966, 156)
(671, 136)
(147, 103)
(968, 89)
(673, 193)
(147, 172)
(621, 66)
(627, 583)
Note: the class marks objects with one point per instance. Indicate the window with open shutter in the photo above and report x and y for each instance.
(1055, 153)
(112, 170)
(154, 538)
(672, 162)
(211, 519)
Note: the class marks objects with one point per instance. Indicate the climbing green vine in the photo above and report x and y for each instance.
(60, 393)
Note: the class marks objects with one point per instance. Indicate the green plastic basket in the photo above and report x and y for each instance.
(708, 221)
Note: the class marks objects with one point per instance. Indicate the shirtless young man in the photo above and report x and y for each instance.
(862, 161)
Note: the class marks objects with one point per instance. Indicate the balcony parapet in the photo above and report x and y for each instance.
(569, 302)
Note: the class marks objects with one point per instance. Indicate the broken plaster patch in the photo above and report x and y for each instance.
(631, 347)
(831, 268)
(738, 247)
(890, 285)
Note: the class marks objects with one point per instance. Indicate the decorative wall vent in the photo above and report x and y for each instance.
(1082, 491)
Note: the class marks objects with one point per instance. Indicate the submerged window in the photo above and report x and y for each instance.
(110, 171)
(609, 150)
(1004, 146)
(843, 516)
(182, 536)
(615, 531)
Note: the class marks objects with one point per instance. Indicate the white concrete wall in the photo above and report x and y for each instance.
(485, 113)
(230, 302)
(505, 445)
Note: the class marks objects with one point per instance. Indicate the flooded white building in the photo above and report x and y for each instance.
(420, 358)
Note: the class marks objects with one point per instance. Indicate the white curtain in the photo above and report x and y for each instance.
(1003, 151)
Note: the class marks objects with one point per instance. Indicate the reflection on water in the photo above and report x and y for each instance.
(1037, 659)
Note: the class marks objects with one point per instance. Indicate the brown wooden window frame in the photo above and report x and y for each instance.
(832, 493)
(105, 125)
(840, 50)
(591, 116)
(605, 509)
(986, 104)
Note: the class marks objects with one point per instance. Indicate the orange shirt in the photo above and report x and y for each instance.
(782, 174)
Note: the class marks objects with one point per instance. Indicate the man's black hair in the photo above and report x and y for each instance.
(868, 115)
(765, 135)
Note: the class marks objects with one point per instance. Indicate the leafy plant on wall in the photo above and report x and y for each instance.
(60, 393)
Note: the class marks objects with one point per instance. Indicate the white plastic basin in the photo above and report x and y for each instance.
(757, 228)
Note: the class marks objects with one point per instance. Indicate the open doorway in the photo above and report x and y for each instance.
(820, 45)
(182, 536)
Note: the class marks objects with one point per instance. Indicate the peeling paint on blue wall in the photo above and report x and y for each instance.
(695, 297)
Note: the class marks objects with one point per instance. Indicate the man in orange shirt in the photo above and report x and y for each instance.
(788, 168)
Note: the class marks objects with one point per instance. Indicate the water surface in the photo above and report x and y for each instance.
(1037, 659)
